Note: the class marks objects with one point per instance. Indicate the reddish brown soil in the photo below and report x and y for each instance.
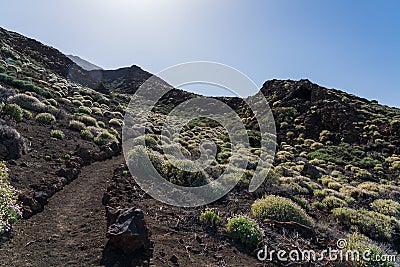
(71, 230)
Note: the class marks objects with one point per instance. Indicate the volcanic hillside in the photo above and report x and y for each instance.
(64, 182)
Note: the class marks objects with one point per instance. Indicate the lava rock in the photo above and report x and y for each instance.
(85, 154)
(129, 232)
(41, 197)
(30, 205)
(69, 174)
(116, 148)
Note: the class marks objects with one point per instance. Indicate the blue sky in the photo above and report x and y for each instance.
(348, 45)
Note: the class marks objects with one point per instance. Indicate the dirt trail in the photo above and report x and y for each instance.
(71, 229)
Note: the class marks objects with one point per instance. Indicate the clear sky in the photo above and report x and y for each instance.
(352, 45)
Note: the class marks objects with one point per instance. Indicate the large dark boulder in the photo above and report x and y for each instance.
(129, 231)
(12, 145)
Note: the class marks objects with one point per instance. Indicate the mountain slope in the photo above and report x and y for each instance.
(84, 63)
(335, 173)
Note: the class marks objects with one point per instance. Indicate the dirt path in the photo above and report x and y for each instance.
(71, 229)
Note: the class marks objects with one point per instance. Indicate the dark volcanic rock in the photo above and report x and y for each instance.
(41, 197)
(85, 154)
(30, 205)
(129, 232)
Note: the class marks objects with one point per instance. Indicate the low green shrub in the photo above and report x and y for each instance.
(27, 114)
(52, 102)
(318, 205)
(245, 230)
(367, 162)
(116, 123)
(363, 174)
(13, 111)
(387, 207)
(76, 125)
(57, 134)
(364, 246)
(24, 85)
(85, 110)
(101, 124)
(184, 173)
(114, 132)
(332, 202)
(27, 102)
(87, 134)
(326, 155)
(97, 111)
(76, 102)
(280, 209)
(334, 185)
(209, 218)
(45, 118)
(370, 223)
(104, 138)
(87, 120)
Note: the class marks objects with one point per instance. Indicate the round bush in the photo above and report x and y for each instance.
(101, 124)
(97, 111)
(85, 110)
(45, 118)
(280, 209)
(332, 202)
(210, 218)
(387, 207)
(57, 134)
(76, 125)
(245, 230)
(87, 134)
(105, 138)
(27, 102)
(14, 111)
(87, 120)
(116, 122)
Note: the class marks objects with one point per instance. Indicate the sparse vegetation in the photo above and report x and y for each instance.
(45, 118)
(337, 158)
(280, 209)
(387, 207)
(370, 223)
(87, 120)
(104, 138)
(209, 218)
(57, 134)
(87, 134)
(365, 246)
(85, 110)
(116, 122)
(13, 111)
(76, 125)
(245, 230)
(28, 102)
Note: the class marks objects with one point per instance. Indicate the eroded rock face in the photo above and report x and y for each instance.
(129, 231)
(12, 145)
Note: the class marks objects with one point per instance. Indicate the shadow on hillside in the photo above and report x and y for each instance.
(112, 256)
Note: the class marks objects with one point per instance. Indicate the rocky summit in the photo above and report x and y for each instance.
(67, 197)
